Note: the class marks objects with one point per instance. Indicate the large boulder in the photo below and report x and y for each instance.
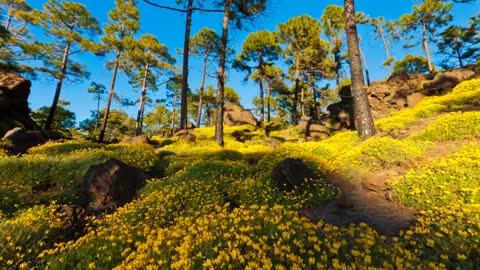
(142, 139)
(14, 110)
(291, 173)
(20, 140)
(235, 115)
(109, 185)
(315, 128)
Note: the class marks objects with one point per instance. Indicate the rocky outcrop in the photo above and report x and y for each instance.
(135, 140)
(235, 115)
(14, 111)
(109, 185)
(407, 90)
(291, 173)
(186, 135)
(19, 140)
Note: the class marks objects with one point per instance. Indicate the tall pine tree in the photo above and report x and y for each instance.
(119, 35)
(67, 24)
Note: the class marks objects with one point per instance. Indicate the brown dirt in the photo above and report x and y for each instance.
(359, 202)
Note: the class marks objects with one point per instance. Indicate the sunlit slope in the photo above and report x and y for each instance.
(217, 209)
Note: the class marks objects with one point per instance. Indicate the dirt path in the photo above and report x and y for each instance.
(364, 201)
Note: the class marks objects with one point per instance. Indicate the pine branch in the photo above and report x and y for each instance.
(181, 10)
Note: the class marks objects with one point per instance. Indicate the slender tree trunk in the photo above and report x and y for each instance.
(459, 58)
(221, 75)
(174, 112)
(58, 89)
(337, 69)
(262, 98)
(302, 101)
(367, 74)
(209, 114)
(295, 94)
(425, 46)
(363, 117)
(111, 92)
(387, 53)
(268, 103)
(97, 117)
(186, 48)
(200, 95)
(141, 107)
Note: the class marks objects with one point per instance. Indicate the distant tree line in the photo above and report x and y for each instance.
(292, 66)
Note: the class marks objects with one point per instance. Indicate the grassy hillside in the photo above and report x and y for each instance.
(217, 208)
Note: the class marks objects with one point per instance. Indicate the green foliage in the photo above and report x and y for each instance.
(449, 181)
(411, 64)
(460, 44)
(464, 94)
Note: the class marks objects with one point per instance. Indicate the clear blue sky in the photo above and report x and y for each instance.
(168, 27)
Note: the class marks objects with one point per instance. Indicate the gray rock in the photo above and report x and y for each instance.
(291, 173)
(109, 185)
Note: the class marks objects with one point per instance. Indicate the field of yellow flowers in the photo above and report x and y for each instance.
(216, 208)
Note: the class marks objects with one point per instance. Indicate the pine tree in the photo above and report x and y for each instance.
(98, 90)
(206, 44)
(387, 32)
(363, 116)
(424, 22)
(147, 59)
(238, 11)
(119, 35)
(258, 52)
(299, 34)
(333, 24)
(68, 23)
(460, 43)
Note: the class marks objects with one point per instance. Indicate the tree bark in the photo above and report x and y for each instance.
(425, 46)
(221, 75)
(97, 117)
(186, 48)
(295, 94)
(367, 74)
(387, 53)
(200, 95)
(363, 117)
(262, 100)
(58, 89)
(141, 107)
(109, 99)
(268, 103)
(174, 112)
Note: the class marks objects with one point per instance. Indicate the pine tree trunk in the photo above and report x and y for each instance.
(262, 100)
(363, 117)
(96, 117)
(221, 75)
(200, 95)
(425, 46)
(268, 103)
(58, 89)
(174, 112)
(109, 99)
(367, 74)
(141, 108)
(295, 94)
(186, 48)
(459, 58)
(387, 53)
